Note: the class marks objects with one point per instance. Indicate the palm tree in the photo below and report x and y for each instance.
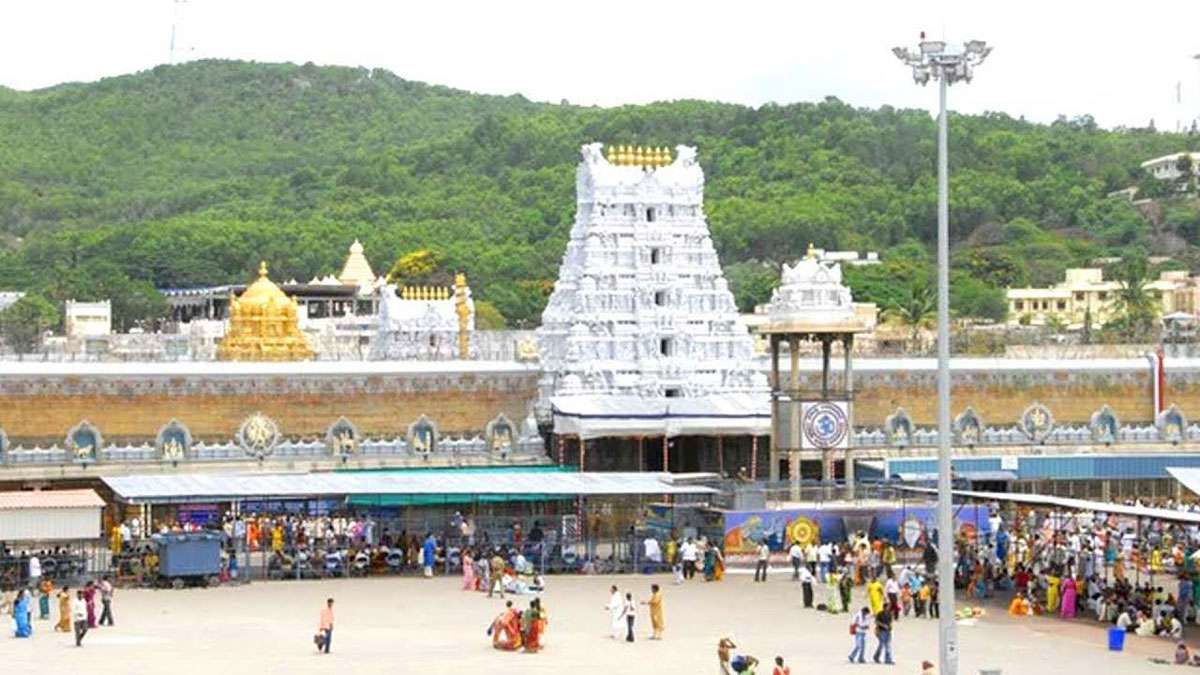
(1137, 307)
(916, 308)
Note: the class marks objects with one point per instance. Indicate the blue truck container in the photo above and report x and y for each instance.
(188, 557)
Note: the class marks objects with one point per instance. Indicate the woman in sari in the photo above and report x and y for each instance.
(22, 614)
(833, 599)
(1068, 598)
(710, 561)
(718, 564)
(1052, 584)
(45, 589)
(535, 621)
(89, 597)
(468, 565)
(64, 611)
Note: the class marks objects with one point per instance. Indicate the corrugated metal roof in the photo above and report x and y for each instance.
(158, 488)
(50, 499)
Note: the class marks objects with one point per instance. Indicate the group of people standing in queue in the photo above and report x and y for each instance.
(76, 610)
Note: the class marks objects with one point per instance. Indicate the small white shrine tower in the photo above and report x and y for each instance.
(641, 337)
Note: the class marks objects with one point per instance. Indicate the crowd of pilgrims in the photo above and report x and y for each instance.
(1141, 577)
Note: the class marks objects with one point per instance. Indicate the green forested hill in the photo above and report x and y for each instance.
(190, 174)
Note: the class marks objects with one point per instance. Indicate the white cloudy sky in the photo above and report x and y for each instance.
(1052, 56)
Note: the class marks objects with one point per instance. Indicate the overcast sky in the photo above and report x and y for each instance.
(1052, 57)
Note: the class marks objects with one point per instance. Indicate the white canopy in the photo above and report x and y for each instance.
(624, 416)
(1076, 504)
(166, 488)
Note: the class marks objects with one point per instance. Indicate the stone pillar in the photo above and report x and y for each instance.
(794, 474)
(848, 386)
(775, 389)
(794, 417)
(641, 454)
(826, 348)
(666, 452)
(794, 353)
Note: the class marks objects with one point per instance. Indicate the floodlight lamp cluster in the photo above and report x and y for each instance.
(933, 60)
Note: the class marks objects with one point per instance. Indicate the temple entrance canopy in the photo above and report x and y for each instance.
(811, 419)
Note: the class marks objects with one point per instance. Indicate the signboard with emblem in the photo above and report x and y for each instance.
(824, 425)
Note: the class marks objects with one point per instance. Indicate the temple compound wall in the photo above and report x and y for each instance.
(1000, 390)
(129, 403)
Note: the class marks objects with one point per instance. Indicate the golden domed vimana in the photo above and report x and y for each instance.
(264, 325)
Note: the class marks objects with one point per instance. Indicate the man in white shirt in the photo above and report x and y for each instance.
(687, 553)
(79, 617)
(824, 555)
(35, 570)
(652, 551)
(806, 583)
(764, 555)
(892, 589)
(796, 555)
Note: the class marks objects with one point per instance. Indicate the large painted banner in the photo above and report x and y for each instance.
(910, 528)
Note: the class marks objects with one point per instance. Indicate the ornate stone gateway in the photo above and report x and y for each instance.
(258, 435)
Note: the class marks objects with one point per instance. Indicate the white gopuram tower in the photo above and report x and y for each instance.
(641, 336)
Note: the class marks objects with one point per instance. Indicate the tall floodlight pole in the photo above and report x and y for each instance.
(934, 60)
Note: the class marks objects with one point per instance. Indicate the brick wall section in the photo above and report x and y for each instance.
(1003, 405)
(131, 408)
(380, 407)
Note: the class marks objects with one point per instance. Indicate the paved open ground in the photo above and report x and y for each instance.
(407, 625)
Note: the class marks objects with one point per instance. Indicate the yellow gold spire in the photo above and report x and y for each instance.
(461, 296)
(611, 154)
(812, 251)
(263, 325)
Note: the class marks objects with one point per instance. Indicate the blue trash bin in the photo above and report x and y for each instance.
(1116, 639)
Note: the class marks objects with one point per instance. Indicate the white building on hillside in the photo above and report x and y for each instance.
(1167, 166)
(641, 336)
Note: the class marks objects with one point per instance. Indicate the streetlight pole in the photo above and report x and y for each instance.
(933, 60)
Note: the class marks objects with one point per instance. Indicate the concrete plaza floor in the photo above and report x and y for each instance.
(407, 625)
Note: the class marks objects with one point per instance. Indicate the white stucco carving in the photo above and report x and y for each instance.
(640, 277)
(811, 290)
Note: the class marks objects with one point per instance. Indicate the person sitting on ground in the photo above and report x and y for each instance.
(744, 663)
(1182, 656)
(1125, 620)
(927, 668)
(1019, 606)
(1145, 626)
(780, 669)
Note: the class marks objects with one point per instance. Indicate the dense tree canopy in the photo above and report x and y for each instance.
(187, 175)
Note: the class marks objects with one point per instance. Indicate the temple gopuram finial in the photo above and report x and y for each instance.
(262, 269)
(812, 251)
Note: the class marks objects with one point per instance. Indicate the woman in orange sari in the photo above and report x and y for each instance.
(535, 620)
(506, 629)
